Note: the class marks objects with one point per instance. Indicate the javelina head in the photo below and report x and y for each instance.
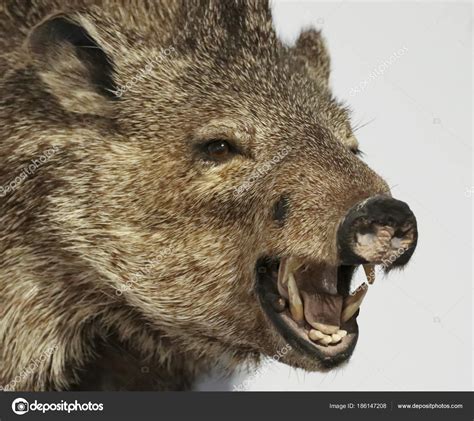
(214, 186)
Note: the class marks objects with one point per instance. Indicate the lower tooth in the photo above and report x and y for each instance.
(326, 340)
(335, 338)
(352, 304)
(342, 333)
(296, 305)
(327, 329)
(316, 335)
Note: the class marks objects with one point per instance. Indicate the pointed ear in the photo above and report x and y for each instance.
(311, 48)
(72, 64)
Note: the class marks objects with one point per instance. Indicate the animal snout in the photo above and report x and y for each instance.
(379, 230)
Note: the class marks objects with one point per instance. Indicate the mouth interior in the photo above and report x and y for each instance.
(314, 300)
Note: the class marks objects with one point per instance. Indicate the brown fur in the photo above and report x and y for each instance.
(126, 183)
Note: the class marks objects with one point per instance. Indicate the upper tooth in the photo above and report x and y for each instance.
(296, 305)
(283, 271)
(352, 304)
(287, 266)
(370, 273)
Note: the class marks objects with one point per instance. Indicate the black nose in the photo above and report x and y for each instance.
(380, 230)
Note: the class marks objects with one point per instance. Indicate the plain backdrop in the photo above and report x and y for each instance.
(415, 326)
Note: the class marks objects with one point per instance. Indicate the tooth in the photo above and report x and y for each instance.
(369, 273)
(352, 303)
(296, 305)
(283, 271)
(287, 266)
(342, 333)
(335, 338)
(327, 329)
(316, 335)
(326, 340)
(294, 264)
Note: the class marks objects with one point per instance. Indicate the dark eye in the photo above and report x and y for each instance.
(218, 150)
(357, 152)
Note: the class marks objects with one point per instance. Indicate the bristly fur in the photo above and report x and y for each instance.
(125, 185)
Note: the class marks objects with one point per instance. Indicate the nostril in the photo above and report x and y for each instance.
(402, 232)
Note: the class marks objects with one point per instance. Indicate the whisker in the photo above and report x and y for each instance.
(362, 125)
(88, 46)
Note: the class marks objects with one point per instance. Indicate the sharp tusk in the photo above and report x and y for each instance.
(370, 273)
(283, 272)
(296, 305)
(287, 266)
(352, 304)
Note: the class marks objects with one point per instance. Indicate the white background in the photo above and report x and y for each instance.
(415, 326)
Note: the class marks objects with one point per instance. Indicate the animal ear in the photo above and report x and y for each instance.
(72, 64)
(311, 48)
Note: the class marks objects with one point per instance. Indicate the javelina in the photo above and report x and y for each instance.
(179, 190)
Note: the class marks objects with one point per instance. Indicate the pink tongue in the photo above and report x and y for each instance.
(322, 308)
(318, 287)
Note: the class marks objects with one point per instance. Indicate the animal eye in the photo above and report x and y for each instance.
(218, 150)
(357, 152)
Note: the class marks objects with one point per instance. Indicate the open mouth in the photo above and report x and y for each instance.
(311, 305)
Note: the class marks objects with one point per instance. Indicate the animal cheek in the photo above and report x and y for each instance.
(281, 209)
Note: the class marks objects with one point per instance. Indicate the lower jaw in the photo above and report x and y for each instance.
(306, 354)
